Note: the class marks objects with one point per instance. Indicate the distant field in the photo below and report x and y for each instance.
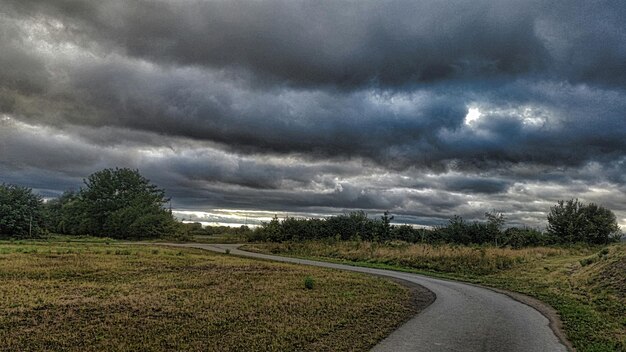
(587, 286)
(81, 296)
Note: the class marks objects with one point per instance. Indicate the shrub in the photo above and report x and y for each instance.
(309, 283)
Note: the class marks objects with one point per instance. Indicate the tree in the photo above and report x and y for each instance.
(386, 225)
(572, 221)
(20, 211)
(120, 203)
(65, 214)
(495, 222)
(600, 225)
(272, 231)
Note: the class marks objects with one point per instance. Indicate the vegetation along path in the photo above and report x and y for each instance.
(464, 317)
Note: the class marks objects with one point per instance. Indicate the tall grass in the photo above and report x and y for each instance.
(442, 258)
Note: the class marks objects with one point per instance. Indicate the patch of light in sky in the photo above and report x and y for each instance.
(473, 114)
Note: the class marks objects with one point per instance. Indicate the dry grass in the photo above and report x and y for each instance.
(586, 285)
(442, 258)
(94, 297)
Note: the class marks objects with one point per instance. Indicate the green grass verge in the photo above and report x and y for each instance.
(78, 295)
(586, 286)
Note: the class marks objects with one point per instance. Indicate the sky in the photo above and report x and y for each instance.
(245, 109)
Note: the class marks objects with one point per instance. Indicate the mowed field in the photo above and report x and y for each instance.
(96, 296)
(586, 285)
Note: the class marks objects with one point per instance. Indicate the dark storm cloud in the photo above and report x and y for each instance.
(363, 43)
(310, 43)
(425, 108)
(477, 185)
(524, 121)
(538, 122)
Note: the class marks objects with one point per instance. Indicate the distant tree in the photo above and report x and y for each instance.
(386, 225)
(351, 226)
(565, 221)
(121, 203)
(65, 214)
(456, 231)
(273, 231)
(20, 211)
(495, 223)
(572, 221)
(600, 225)
(517, 237)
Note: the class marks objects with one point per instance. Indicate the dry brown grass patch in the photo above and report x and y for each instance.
(94, 297)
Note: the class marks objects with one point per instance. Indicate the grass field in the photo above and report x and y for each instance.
(587, 286)
(81, 296)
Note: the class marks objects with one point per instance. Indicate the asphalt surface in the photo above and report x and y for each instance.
(462, 318)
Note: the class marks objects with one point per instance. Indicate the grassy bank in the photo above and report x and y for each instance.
(81, 296)
(587, 286)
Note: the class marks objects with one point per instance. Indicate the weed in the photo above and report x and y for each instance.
(309, 282)
(587, 261)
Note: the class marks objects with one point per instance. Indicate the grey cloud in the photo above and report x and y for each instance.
(311, 43)
(349, 44)
(398, 128)
(477, 185)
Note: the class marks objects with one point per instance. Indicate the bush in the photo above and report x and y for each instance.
(525, 237)
(309, 283)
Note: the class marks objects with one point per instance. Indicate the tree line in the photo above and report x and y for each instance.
(568, 222)
(121, 203)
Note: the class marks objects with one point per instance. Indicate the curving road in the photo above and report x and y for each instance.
(463, 317)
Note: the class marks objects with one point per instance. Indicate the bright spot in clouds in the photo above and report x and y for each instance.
(473, 114)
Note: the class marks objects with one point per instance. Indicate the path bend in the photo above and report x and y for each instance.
(463, 317)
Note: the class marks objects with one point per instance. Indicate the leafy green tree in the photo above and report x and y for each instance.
(495, 223)
(20, 212)
(457, 231)
(273, 230)
(386, 225)
(600, 225)
(65, 214)
(572, 221)
(121, 203)
(565, 221)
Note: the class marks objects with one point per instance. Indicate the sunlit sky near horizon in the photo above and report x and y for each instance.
(241, 110)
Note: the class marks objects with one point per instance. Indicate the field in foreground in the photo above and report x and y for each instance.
(587, 286)
(97, 296)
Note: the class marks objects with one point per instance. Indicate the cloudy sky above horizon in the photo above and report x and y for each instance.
(244, 109)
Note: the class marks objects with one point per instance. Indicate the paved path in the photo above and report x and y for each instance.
(463, 317)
